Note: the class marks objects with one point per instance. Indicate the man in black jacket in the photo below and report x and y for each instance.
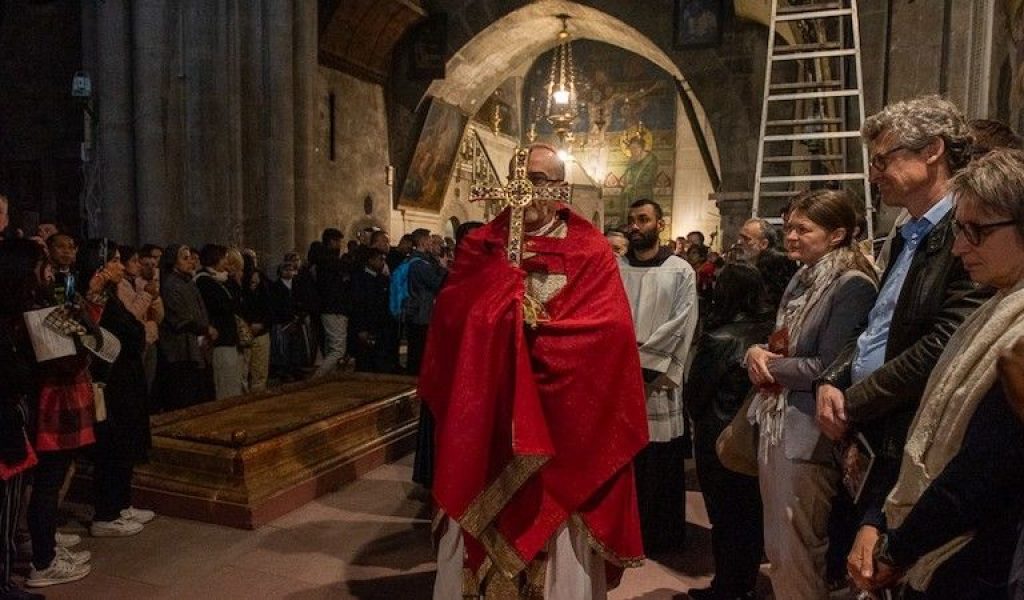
(370, 320)
(332, 282)
(876, 385)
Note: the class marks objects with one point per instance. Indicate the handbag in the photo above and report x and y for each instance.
(737, 444)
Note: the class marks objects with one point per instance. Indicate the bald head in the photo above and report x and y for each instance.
(543, 168)
(543, 165)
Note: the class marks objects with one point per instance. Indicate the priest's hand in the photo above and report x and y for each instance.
(757, 365)
(860, 563)
(1011, 370)
(831, 411)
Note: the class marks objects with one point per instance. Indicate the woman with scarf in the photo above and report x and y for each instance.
(122, 438)
(824, 307)
(220, 296)
(950, 520)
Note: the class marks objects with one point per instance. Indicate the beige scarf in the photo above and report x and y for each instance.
(965, 372)
(767, 409)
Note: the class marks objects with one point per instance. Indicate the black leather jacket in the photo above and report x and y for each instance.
(718, 380)
(936, 297)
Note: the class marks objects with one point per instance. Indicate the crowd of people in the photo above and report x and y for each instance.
(155, 329)
(854, 416)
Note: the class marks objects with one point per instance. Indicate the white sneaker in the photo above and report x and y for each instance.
(60, 571)
(75, 558)
(64, 540)
(139, 515)
(68, 540)
(120, 527)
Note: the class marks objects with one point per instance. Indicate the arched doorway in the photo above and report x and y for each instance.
(486, 60)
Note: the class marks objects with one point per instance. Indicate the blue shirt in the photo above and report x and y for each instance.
(872, 343)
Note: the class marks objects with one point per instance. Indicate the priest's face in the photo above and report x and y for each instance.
(544, 168)
(644, 227)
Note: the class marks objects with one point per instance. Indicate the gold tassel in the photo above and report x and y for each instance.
(534, 312)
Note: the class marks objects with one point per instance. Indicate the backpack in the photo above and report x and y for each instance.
(398, 294)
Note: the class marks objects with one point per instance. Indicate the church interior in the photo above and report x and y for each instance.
(262, 124)
(259, 124)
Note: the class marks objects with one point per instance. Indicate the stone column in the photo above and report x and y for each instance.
(208, 132)
(112, 89)
(277, 220)
(254, 123)
(916, 53)
(305, 64)
(154, 27)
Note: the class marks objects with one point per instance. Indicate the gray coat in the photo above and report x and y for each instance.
(185, 318)
(840, 315)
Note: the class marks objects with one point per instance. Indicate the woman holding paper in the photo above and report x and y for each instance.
(824, 306)
(64, 424)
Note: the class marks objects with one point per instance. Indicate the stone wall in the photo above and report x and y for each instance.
(340, 187)
(215, 125)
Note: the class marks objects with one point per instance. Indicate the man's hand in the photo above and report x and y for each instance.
(757, 365)
(1011, 370)
(832, 411)
(860, 563)
(152, 288)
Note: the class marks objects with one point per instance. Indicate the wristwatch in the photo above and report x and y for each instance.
(882, 554)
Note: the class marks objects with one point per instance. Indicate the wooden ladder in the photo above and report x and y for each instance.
(813, 104)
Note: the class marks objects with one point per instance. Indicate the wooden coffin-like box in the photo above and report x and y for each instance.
(245, 461)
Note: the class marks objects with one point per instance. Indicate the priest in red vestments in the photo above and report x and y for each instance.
(533, 375)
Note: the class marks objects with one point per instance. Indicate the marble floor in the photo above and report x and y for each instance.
(368, 540)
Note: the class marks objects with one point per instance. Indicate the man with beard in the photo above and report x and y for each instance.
(757, 245)
(662, 291)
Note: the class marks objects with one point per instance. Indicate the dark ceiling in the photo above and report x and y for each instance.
(358, 36)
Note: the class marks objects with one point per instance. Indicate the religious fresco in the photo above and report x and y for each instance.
(432, 162)
(625, 135)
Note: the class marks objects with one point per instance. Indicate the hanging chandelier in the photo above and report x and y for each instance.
(562, 108)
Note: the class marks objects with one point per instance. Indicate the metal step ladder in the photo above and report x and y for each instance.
(813, 104)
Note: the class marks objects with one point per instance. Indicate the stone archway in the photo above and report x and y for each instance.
(486, 58)
(726, 80)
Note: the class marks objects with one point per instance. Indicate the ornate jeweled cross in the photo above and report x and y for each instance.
(518, 194)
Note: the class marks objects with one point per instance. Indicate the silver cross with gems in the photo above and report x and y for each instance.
(518, 194)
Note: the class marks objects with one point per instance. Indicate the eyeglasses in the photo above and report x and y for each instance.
(880, 161)
(974, 233)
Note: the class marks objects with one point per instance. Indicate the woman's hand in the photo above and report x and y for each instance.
(757, 365)
(112, 271)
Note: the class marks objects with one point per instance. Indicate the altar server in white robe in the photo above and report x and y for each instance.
(662, 291)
